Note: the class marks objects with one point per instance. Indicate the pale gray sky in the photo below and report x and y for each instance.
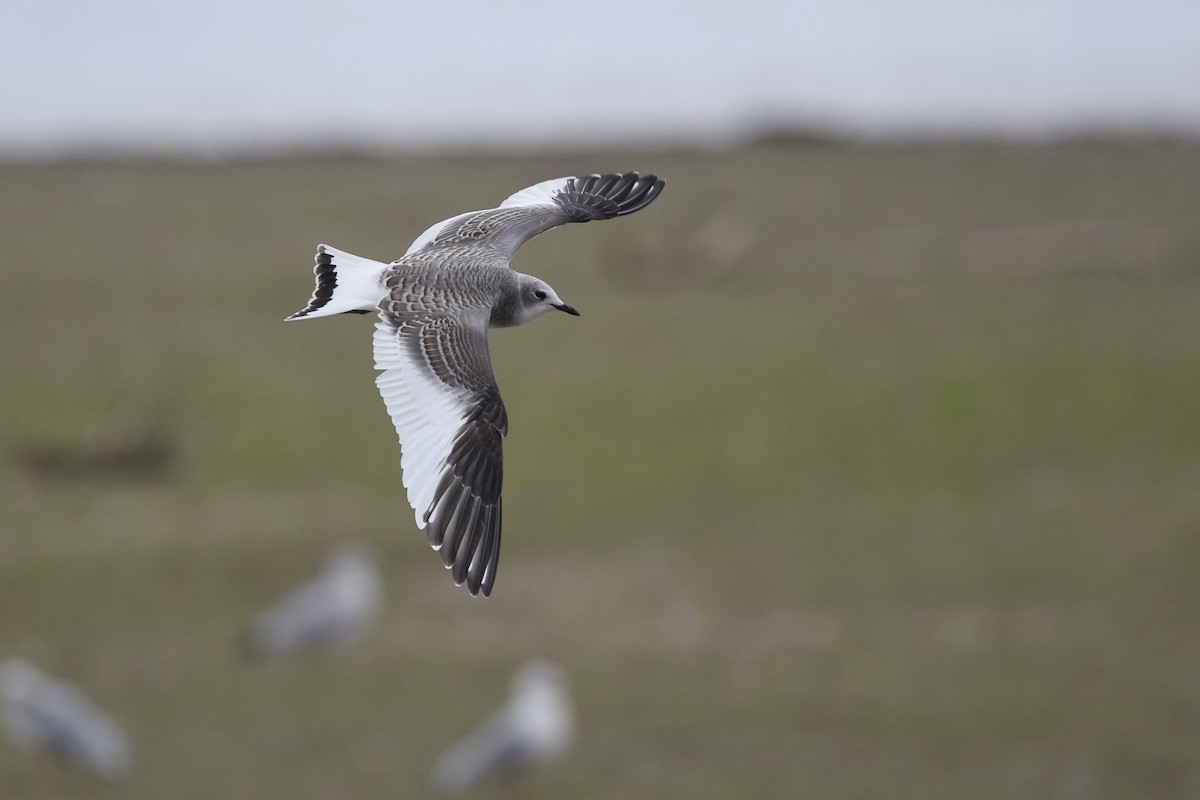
(237, 73)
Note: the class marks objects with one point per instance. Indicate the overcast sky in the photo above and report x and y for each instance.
(238, 73)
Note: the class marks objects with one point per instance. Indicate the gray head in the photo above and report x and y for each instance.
(536, 298)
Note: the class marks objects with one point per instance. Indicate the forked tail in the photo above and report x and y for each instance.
(346, 284)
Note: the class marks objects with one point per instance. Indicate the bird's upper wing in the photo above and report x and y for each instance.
(441, 393)
(543, 206)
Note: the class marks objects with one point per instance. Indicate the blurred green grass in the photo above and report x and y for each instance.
(895, 498)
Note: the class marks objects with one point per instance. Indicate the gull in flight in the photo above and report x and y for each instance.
(435, 304)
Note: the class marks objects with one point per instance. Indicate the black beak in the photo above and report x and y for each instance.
(569, 309)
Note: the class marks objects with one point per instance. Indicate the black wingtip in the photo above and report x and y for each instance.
(594, 197)
(641, 193)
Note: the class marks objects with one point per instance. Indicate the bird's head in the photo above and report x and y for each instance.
(536, 298)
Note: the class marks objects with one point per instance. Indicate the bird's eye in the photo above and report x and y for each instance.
(539, 294)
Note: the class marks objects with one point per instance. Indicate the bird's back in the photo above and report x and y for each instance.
(452, 274)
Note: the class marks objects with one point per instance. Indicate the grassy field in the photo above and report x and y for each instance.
(868, 472)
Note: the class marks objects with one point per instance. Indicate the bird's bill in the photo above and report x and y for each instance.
(569, 309)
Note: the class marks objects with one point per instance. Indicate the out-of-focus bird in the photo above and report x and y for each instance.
(536, 726)
(40, 713)
(336, 607)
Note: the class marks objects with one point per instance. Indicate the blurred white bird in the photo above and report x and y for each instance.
(536, 726)
(336, 607)
(40, 713)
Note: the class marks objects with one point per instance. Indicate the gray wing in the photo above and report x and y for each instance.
(543, 206)
(441, 393)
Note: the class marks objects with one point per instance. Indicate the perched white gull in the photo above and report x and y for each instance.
(40, 713)
(336, 607)
(435, 304)
(536, 726)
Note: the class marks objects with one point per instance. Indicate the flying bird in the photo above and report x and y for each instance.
(335, 607)
(535, 726)
(40, 713)
(435, 304)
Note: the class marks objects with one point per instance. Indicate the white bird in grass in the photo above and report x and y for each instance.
(336, 607)
(435, 305)
(535, 727)
(40, 713)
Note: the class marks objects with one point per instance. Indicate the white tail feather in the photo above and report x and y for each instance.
(345, 283)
